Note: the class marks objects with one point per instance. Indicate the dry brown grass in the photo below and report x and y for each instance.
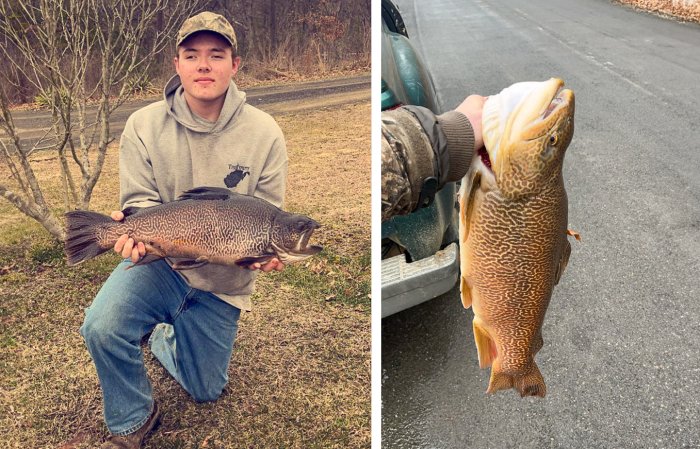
(300, 373)
(688, 10)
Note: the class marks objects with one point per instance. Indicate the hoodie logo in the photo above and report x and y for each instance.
(238, 172)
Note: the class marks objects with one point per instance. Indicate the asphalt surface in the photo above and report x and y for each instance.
(621, 355)
(34, 125)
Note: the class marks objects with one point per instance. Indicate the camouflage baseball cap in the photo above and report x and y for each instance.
(207, 21)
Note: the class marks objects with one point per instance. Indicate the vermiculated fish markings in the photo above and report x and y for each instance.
(206, 225)
(513, 222)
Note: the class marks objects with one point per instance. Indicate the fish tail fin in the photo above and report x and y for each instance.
(82, 241)
(530, 383)
(499, 381)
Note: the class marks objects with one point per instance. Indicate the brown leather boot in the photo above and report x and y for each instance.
(133, 440)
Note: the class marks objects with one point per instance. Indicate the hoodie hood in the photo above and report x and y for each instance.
(174, 95)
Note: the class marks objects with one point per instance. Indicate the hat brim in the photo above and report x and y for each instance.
(189, 34)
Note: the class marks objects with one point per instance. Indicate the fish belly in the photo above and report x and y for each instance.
(509, 256)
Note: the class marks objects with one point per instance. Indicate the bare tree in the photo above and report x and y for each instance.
(62, 44)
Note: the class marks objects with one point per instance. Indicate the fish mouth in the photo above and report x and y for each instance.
(556, 102)
(301, 249)
(302, 246)
(520, 112)
(562, 97)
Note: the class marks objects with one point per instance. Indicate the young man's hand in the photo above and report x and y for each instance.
(125, 246)
(273, 264)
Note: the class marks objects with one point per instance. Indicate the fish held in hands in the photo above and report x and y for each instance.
(513, 228)
(204, 225)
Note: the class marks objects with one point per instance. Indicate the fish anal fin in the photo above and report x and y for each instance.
(485, 346)
(573, 234)
(466, 291)
(250, 260)
(189, 264)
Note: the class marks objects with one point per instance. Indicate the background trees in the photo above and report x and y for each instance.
(68, 54)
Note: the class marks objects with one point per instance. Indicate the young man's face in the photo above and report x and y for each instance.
(205, 64)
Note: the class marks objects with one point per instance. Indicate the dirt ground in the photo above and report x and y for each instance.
(300, 372)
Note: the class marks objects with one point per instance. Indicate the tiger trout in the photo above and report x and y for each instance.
(513, 228)
(205, 225)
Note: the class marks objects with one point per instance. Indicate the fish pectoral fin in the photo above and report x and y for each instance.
(485, 346)
(467, 195)
(467, 198)
(250, 260)
(573, 234)
(190, 263)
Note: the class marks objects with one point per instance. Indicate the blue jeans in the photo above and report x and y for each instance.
(194, 345)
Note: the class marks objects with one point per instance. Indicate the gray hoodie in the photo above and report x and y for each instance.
(166, 149)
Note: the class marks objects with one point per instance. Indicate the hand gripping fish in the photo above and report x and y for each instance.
(205, 225)
(513, 228)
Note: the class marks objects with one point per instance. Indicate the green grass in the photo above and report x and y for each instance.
(332, 277)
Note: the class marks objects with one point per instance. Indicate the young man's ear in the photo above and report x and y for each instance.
(236, 64)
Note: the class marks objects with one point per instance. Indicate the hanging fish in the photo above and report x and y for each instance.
(513, 228)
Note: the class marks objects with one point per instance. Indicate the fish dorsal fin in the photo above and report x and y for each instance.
(131, 210)
(207, 193)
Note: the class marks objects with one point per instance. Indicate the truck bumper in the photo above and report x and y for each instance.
(406, 284)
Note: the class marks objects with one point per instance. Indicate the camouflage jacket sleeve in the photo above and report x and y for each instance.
(417, 145)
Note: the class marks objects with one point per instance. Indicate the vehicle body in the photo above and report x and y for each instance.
(420, 255)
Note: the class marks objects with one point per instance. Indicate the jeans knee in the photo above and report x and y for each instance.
(97, 330)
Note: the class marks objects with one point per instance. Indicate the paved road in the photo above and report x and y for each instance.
(32, 125)
(622, 335)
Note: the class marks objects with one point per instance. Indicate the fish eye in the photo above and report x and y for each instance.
(553, 139)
